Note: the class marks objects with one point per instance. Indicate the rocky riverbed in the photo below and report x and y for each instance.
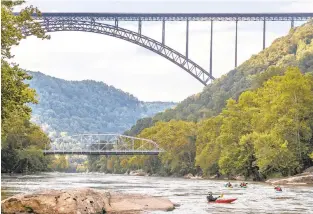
(301, 179)
(83, 201)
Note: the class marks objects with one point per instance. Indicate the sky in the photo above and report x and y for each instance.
(134, 69)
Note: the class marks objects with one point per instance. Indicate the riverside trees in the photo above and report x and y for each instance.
(268, 131)
(21, 140)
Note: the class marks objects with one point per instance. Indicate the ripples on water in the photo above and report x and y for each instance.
(190, 194)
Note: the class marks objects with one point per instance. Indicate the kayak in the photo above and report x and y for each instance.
(224, 201)
(244, 187)
(278, 191)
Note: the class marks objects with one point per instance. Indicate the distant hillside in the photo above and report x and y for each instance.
(295, 49)
(87, 106)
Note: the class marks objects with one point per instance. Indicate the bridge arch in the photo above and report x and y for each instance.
(95, 27)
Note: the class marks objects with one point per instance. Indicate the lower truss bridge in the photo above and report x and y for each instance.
(102, 144)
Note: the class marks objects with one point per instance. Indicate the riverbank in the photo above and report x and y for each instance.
(300, 179)
(305, 178)
(83, 201)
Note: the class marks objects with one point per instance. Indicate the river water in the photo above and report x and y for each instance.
(189, 194)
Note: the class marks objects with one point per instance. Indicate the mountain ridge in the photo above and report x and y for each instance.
(294, 49)
(86, 106)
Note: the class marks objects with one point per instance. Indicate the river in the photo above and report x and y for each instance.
(190, 194)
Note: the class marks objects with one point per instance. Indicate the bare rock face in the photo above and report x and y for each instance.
(301, 179)
(82, 201)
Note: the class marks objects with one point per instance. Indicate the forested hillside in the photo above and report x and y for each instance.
(86, 106)
(294, 49)
(256, 121)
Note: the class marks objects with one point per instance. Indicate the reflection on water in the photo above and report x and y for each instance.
(190, 194)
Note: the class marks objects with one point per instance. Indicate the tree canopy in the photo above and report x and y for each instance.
(294, 49)
(21, 140)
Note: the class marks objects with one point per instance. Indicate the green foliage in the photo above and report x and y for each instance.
(268, 130)
(87, 106)
(59, 163)
(12, 26)
(177, 138)
(295, 49)
(21, 141)
(265, 129)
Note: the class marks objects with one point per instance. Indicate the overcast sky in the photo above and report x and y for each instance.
(148, 76)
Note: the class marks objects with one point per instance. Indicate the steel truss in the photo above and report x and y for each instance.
(177, 16)
(112, 30)
(102, 144)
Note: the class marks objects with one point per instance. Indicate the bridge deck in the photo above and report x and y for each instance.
(178, 16)
(102, 152)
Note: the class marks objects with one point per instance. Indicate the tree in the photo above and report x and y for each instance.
(20, 139)
(177, 138)
(266, 131)
(208, 149)
(286, 106)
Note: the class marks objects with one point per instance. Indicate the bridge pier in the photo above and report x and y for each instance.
(211, 48)
(116, 23)
(236, 43)
(139, 27)
(163, 32)
(292, 23)
(187, 37)
(264, 29)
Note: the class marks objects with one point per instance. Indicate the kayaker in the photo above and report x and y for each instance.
(243, 184)
(211, 198)
(278, 188)
(228, 185)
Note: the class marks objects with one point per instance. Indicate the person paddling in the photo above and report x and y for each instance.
(211, 198)
(243, 184)
(278, 188)
(228, 185)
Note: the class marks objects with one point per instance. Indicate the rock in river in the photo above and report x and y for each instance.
(82, 201)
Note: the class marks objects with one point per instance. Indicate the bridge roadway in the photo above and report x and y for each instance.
(103, 152)
(178, 16)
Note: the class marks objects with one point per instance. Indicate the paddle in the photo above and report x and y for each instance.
(222, 195)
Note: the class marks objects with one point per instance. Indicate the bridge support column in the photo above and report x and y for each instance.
(292, 23)
(116, 23)
(139, 27)
(236, 39)
(187, 37)
(211, 48)
(163, 32)
(264, 29)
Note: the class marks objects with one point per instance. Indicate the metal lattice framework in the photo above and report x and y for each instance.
(102, 144)
(91, 22)
(95, 27)
(177, 16)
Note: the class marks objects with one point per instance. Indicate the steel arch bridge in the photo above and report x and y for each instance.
(91, 22)
(137, 38)
(102, 144)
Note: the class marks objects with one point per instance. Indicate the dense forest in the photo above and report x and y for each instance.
(256, 121)
(21, 141)
(294, 49)
(86, 106)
